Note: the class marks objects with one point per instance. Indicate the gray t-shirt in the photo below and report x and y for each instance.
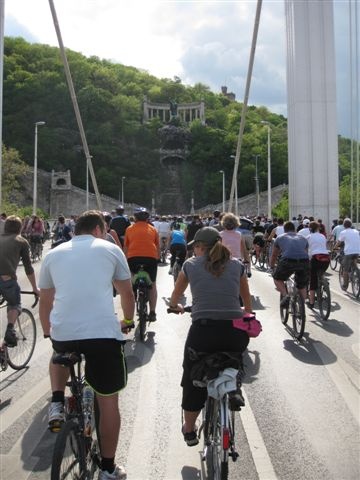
(292, 245)
(215, 298)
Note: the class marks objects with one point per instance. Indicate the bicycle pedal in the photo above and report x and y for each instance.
(55, 426)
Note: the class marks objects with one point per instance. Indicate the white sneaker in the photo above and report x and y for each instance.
(118, 474)
(56, 415)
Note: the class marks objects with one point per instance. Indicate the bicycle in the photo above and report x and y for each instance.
(141, 284)
(354, 278)
(76, 452)
(323, 296)
(36, 248)
(25, 328)
(218, 420)
(294, 307)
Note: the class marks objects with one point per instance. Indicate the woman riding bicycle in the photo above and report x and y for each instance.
(319, 259)
(216, 280)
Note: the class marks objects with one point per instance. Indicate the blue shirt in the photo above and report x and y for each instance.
(292, 246)
(178, 237)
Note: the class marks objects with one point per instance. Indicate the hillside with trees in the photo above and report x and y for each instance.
(110, 98)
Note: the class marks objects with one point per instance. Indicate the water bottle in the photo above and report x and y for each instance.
(88, 402)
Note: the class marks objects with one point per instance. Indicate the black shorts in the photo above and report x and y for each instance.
(150, 265)
(105, 366)
(10, 290)
(287, 267)
(217, 337)
(259, 241)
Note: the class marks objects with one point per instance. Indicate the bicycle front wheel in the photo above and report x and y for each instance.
(355, 282)
(298, 314)
(333, 260)
(324, 299)
(69, 454)
(25, 328)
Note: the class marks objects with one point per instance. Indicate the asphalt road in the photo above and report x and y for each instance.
(301, 419)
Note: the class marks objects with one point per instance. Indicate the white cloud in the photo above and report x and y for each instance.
(199, 41)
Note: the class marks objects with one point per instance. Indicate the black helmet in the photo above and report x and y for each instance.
(141, 214)
(119, 209)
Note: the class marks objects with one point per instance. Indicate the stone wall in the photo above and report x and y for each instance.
(247, 205)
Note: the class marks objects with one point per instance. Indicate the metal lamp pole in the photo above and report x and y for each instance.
(122, 190)
(223, 189)
(264, 122)
(35, 167)
(235, 191)
(257, 186)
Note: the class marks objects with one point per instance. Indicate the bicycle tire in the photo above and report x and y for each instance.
(142, 315)
(355, 282)
(176, 270)
(324, 299)
(284, 313)
(25, 328)
(262, 260)
(333, 260)
(68, 462)
(217, 457)
(253, 258)
(341, 276)
(298, 315)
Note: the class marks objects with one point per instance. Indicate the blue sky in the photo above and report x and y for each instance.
(198, 41)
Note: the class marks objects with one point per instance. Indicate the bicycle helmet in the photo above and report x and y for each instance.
(141, 214)
(107, 217)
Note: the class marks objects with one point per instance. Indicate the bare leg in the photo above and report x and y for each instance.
(109, 424)
(153, 297)
(280, 285)
(58, 377)
(190, 420)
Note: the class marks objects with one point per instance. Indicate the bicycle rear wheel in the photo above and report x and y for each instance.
(25, 328)
(68, 462)
(143, 315)
(298, 314)
(262, 260)
(355, 281)
(176, 270)
(216, 455)
(253, 257)
(324, 299)
(284, 312)
(341, 276)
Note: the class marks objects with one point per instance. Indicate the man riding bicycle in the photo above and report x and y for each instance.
(13, 247)
(142, 247)
(350, 239)
(77, 310)
(293, 249)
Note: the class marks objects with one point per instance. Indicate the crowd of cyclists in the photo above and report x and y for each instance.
(81, 273)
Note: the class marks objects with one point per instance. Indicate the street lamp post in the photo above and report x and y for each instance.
(223, 189)
(35, 167)
(264, 122)
(257, 186)
(235, 191)
(122, 190)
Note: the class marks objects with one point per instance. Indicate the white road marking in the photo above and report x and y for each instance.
(257, 446)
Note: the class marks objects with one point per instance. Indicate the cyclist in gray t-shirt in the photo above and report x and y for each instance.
(294, 258)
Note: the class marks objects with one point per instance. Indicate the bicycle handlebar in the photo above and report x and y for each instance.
(28, 292)
(172, 310)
